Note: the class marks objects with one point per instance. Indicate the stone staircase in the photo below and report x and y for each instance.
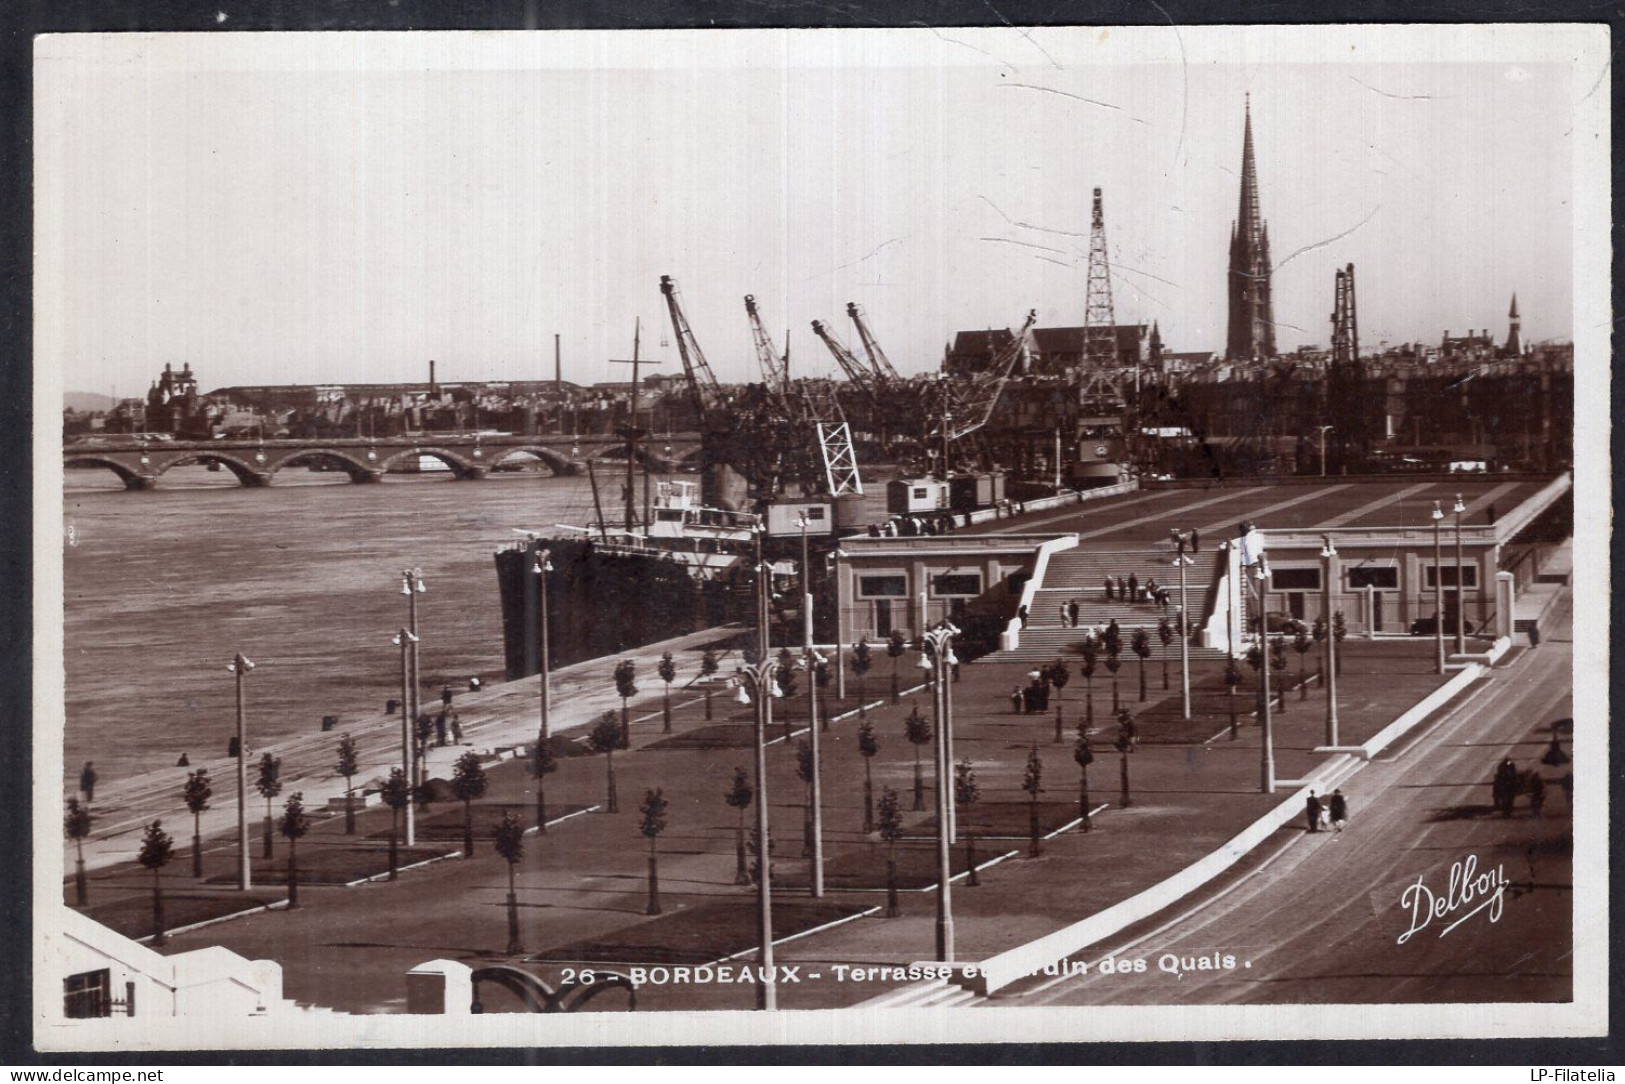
(1045, 644)
(1080, 574)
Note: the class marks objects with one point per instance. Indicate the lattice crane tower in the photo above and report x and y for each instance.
(1100, 318)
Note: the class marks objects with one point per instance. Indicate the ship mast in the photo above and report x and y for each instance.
(632, 432)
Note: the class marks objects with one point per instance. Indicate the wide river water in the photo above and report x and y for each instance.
(303, 577)
(163, 587)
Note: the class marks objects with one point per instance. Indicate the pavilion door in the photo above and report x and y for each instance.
(882, 618)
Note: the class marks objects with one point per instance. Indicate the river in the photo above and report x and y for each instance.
(162, 587)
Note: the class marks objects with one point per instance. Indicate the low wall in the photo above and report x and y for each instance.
(1430, 703)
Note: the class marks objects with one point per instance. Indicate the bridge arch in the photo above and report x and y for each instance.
(249, 474)
(129, 477)
(556, 461)
(658, 461)
(460, 467)
(356, 468)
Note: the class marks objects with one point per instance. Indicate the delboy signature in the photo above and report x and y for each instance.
(1468, 888)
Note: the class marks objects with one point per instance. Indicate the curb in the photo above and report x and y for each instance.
(274, 905)
(795, 936)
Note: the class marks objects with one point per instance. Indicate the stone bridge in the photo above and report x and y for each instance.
(141, 460)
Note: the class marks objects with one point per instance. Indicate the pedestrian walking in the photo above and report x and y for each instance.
(445, 695)
(1537, 794)
(1015, 700)
(1072, 613)
(1022, 615)
(1340, 810)
(1063, 614)
(456, 730)
(1111, 589)
(1133, 587)
(440, 729)
(1505, 787)
(1312, 812)
(87, 781)
(1122, 589)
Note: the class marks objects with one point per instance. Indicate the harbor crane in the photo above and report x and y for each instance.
(966, 406)
(702, 382)
(885, 373)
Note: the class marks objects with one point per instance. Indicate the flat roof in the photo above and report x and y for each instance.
(1398, 502)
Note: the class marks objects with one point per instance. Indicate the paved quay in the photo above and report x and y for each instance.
(583, 887)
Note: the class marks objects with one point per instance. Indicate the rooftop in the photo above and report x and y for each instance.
(1399, 503)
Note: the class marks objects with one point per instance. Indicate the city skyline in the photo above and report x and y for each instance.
(380, 216)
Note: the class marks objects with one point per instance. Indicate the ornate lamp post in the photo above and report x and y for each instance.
(1461, 584)
(542, 567)
(1438, 591)
(412, 586)
(240, 666)
(1252, 556)
(1328, 555)
(840, 663)
(1183, 539)
(405, 640)
(937, 655)
(758, 685)
(812, 659)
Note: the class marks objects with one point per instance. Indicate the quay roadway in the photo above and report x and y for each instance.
(1144, 517)
(582, 888)
(1319, 916)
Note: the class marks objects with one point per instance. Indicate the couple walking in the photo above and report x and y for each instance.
(1317, 812)
(1069, 614)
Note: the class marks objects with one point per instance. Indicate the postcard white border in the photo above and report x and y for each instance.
(1586, 47)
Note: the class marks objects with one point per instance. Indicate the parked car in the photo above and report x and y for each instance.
(1281, 622)
(1428, 626)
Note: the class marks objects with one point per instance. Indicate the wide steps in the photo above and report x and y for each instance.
(1041, 644)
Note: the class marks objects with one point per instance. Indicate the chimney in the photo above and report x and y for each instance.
(431, 376)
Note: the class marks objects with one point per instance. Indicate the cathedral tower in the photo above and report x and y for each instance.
(1514, 345)
(1252, 316)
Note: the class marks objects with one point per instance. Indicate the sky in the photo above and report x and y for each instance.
(290, 208)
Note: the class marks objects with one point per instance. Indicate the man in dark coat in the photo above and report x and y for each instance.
(1111, 589)
(1505, 788)
(87, 781)
(1072, 612)
(1015, 700)
(1340, 810)
(1133, 587)
(1311, 812)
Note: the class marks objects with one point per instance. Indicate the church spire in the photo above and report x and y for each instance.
(1252, 320)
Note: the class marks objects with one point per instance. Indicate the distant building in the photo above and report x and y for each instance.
(1054, 351)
